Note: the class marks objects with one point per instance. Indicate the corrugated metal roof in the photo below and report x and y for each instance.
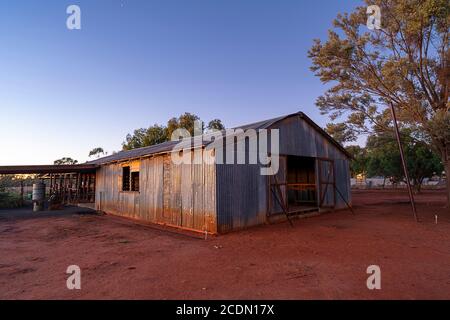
(42, 169)
(166, 147)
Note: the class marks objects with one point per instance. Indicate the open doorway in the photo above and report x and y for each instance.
(294, 187)
(301, 184)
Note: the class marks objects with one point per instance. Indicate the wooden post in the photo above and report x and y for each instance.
(83, 186)
(78, 188)
(69, 188)
(21, 192)
(88, 187)
(64, 189)
(60, 188)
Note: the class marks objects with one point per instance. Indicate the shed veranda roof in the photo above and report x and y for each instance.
(48, 169)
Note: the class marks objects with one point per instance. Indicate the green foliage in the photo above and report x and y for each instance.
(383, 158)
(405, 64)
(157, 133)
(145, 137)
(8, 181)
(186, 121)
(65, 161)
(96, 152)
(422, 163)
(10, 200)
(359, 163)
(215, 124)
(340, 132)
(135, 140)
(5, 182)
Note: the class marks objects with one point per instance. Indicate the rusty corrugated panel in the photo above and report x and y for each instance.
(187, 200)
(210, 194)
(198, 189)
(177, 195)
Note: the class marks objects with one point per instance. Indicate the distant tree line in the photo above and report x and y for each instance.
(144, 137)
(65, 160)
(8, 181)
(156, 133)
(381, 157)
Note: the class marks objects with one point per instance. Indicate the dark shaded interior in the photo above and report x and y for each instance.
(301, 182)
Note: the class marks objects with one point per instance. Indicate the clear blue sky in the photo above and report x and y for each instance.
(136, 63)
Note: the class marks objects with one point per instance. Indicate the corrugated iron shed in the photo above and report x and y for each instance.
(211, 196)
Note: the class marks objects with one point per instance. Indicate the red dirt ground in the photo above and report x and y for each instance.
(322, 257)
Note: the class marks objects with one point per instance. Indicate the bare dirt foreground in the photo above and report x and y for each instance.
(322, 257)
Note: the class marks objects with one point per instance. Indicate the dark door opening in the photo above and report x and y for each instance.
(295, 186)
(301, 183)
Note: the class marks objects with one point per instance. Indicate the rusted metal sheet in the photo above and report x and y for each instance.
(180, 195)
(210, 185)
(198, 189)
(152, 189)
(187, 199)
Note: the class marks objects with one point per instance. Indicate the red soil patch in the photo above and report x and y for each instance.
(322, 257)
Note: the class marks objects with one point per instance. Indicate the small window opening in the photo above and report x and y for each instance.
(135, 181)
(126, 179)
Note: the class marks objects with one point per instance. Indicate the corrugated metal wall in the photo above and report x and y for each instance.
(241, 198)
(242, 192)
(180, 195)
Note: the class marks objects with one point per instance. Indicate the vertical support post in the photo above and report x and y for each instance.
(64, 188)
(88, 187)
(69, 189)
(405, 169)
(21, 192)
(60, 187)
(83, 186)
(94, 183)
(78, 188)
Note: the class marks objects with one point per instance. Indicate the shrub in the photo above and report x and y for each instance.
(10, 200)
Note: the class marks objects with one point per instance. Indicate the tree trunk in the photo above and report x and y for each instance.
(416, 185)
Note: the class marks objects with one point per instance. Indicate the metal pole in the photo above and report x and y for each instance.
(405, 169)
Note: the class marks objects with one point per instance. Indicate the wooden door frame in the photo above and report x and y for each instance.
(269, 188)
(321, 183)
